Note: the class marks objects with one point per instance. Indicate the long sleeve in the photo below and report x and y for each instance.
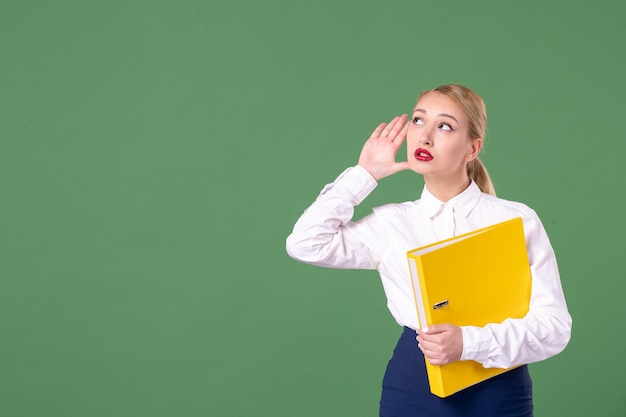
(546, 328)
(325, 235)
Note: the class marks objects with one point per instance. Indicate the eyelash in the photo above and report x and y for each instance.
(416, 119)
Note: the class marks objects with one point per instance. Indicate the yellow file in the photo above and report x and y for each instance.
(472, 279)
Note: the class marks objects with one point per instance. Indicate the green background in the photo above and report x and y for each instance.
(154, 156)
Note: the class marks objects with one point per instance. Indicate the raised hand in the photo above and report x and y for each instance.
(378, 155)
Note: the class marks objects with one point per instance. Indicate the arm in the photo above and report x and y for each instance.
(325, 235)
(542, 333)
(546, 328)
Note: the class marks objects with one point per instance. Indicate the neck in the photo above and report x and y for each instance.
(445, 189)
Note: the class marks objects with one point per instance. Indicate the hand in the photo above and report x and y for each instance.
(378, 155)
(441, 343)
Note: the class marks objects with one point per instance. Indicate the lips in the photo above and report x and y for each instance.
(423, 155)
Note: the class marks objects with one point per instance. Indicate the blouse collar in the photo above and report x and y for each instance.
(462, 203)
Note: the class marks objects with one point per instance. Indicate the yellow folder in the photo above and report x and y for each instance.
(472, 279)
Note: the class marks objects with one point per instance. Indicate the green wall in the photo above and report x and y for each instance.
(154, 156)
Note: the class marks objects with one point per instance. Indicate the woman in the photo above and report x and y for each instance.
(444, 137)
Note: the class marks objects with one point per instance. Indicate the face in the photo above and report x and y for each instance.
(438, 143)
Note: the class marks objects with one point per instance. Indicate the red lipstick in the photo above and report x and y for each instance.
(423, 155)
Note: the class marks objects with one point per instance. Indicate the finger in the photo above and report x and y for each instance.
(376, 133)
(434, 329)
(426, 340)
(432, 355)
(396, 127)
(436, 361)
(400, 120)
(390, 126)
(401, 136)
(433, 349)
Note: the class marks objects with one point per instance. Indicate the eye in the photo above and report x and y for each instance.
(418, 121)
(445, 126)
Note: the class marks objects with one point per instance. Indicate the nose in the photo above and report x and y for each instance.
(425, 138)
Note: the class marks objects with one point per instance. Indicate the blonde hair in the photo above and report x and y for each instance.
(474, 108)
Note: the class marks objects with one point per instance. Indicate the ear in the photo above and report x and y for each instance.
(473, 149)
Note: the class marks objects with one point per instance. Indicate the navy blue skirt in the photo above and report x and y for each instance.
(406, 392)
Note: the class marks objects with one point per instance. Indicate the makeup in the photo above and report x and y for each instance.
(422, 154)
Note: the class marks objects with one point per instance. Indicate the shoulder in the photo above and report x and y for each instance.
(501, 209)
(497, 204)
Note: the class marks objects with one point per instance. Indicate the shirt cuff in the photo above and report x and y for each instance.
(357, 181)
(476, 342)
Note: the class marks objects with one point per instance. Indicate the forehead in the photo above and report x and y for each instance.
(435, 103)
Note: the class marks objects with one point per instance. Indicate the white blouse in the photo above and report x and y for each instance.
(325, 235)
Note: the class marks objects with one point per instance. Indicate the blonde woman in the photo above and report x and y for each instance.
(444, 137)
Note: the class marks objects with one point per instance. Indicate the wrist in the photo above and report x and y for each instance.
(369, 171)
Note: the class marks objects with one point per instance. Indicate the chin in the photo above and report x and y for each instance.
(419, 168)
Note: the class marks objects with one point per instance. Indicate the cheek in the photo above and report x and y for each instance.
(462, 153)
(411, 146)
(411, 140)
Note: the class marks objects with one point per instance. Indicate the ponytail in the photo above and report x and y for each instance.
(477, 172)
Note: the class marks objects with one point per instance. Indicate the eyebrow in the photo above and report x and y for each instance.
(440, 114)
